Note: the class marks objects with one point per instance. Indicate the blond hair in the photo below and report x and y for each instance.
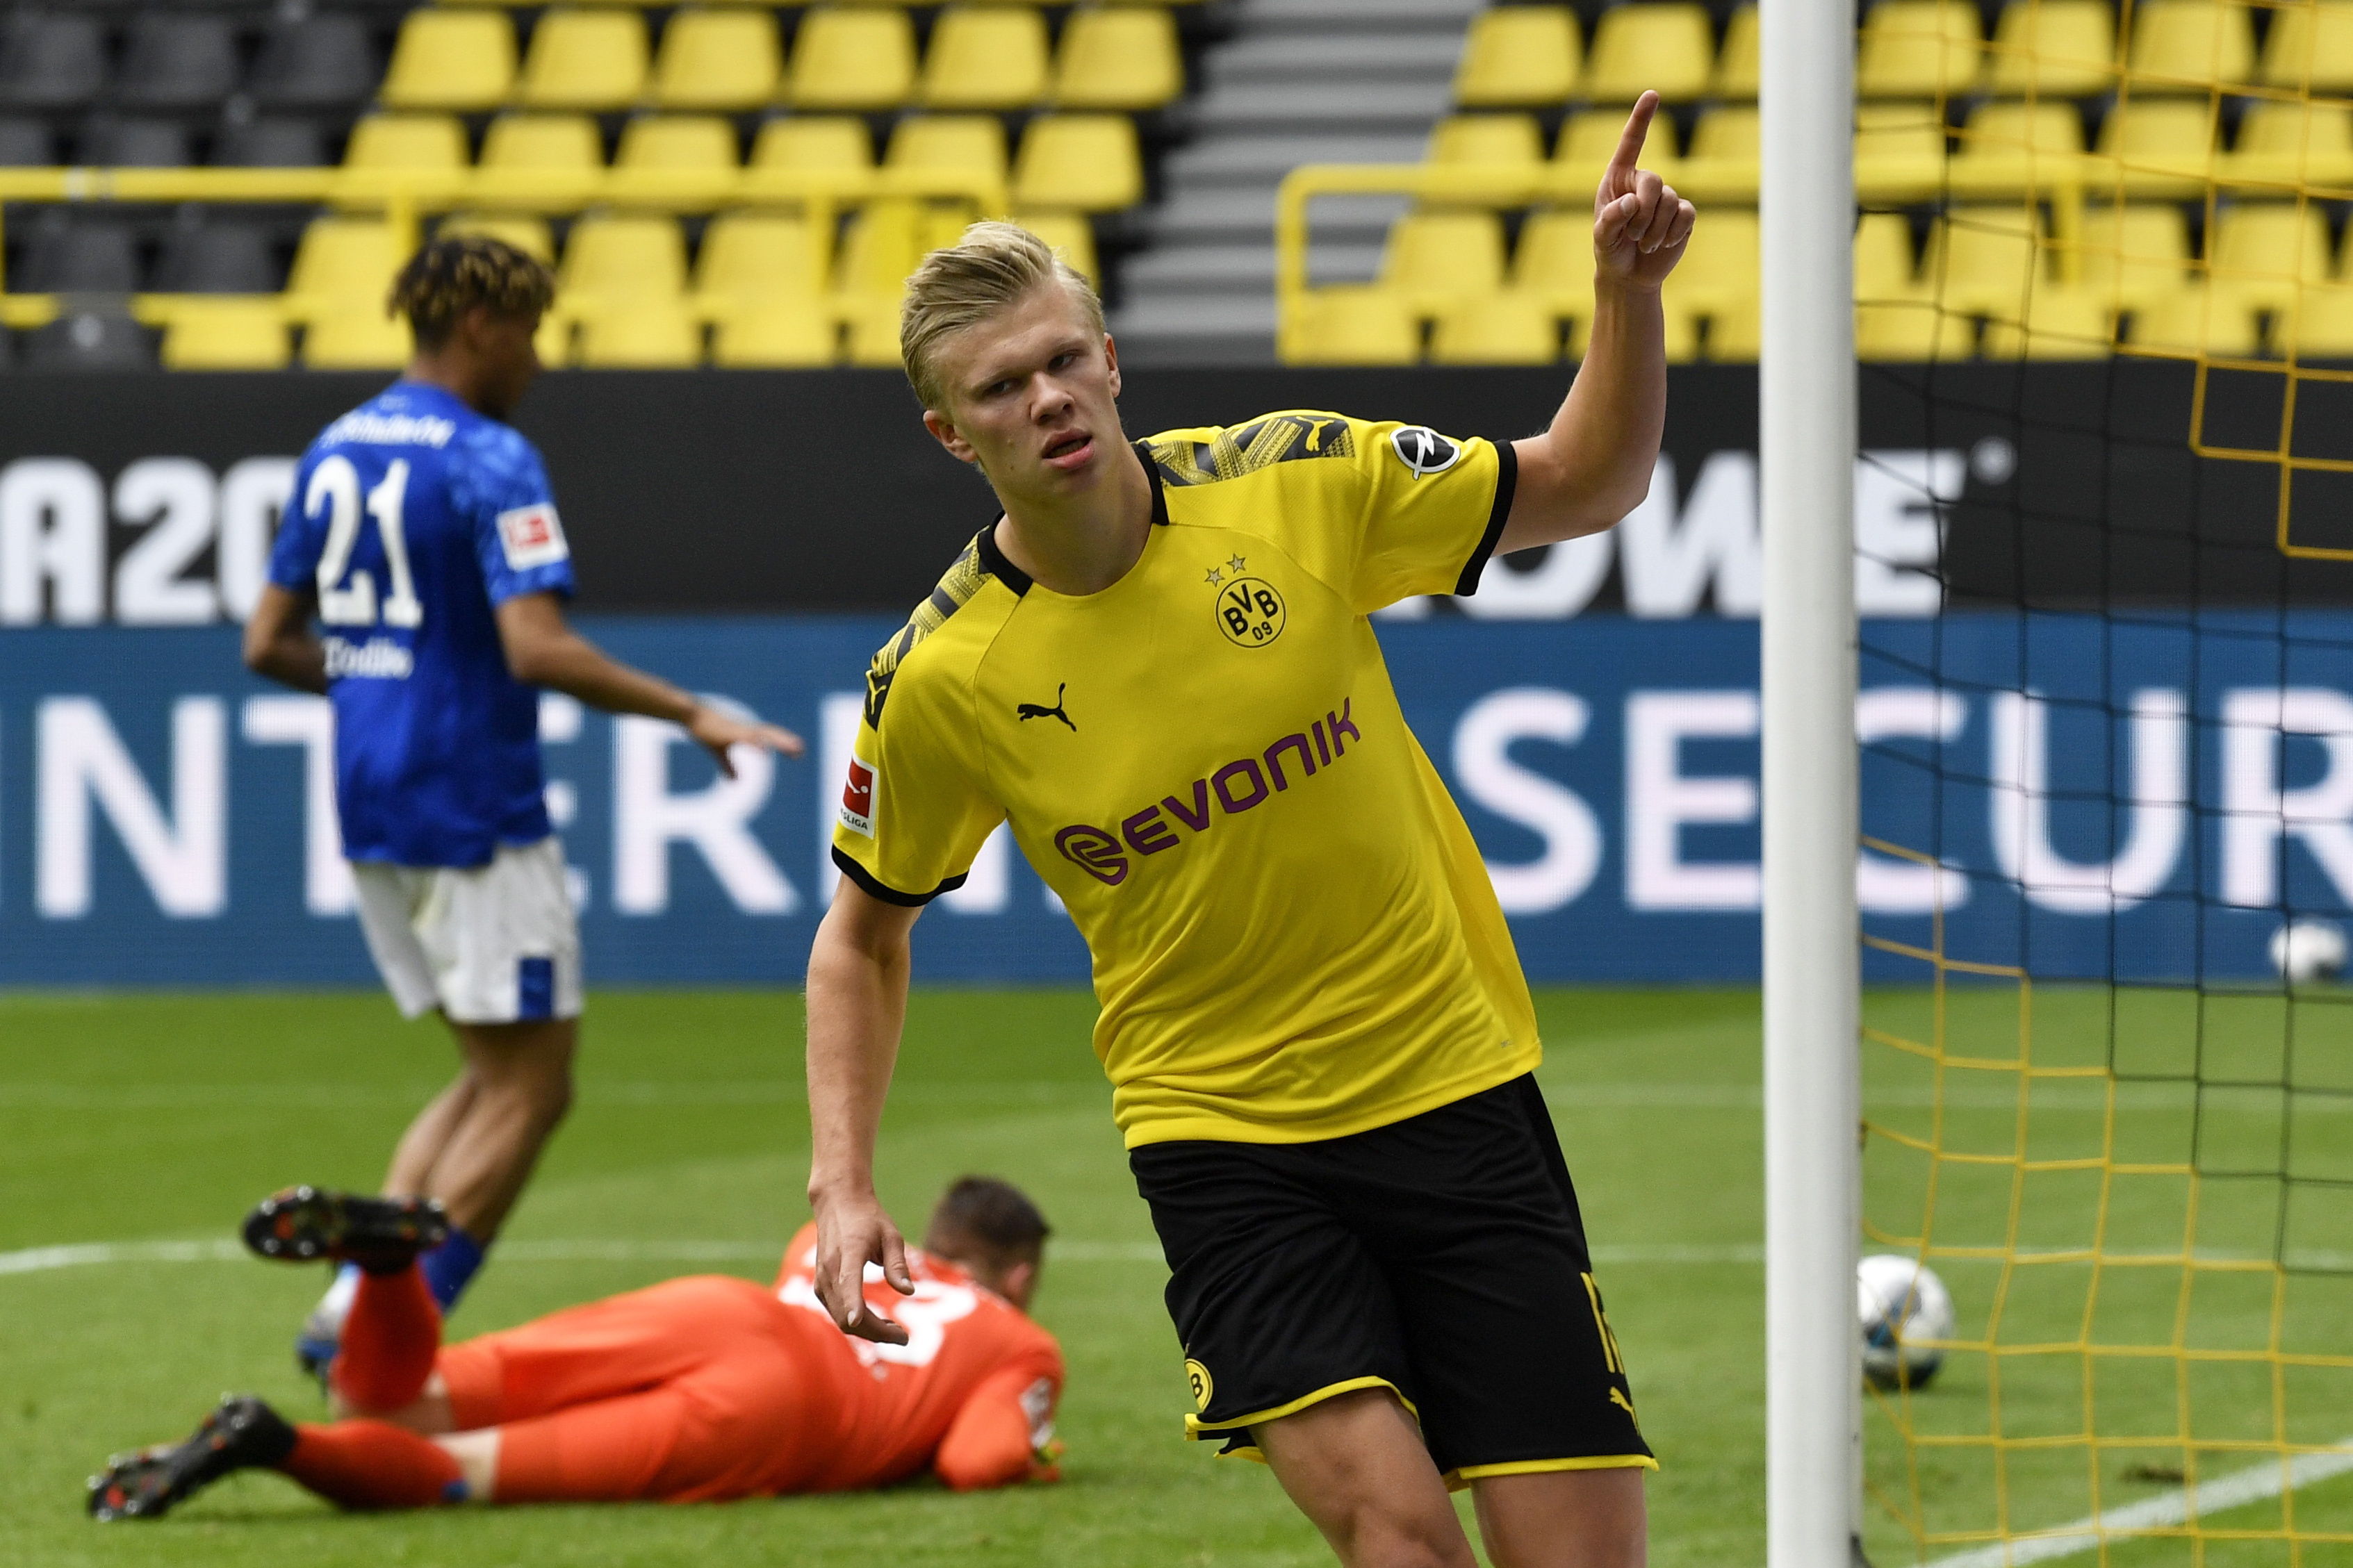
(992, 265)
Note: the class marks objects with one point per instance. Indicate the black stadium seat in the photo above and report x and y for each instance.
(172, 61)
(25, 143)
(51, 61)
(316, 62)
(120, 142)
(90, 340)
(273, 141)
(217, 256)
(66, 253)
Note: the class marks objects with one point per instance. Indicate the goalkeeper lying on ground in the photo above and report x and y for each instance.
(698, 1389)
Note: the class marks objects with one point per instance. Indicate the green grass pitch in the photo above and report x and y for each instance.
(158, 1118)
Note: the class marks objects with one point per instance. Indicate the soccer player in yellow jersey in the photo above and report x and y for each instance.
(1156, 668)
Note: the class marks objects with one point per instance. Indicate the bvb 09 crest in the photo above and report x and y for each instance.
(1250, 612)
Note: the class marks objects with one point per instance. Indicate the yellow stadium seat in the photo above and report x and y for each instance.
(2059, 323)
(2188, 45)
(1519, 55)
(1736, 334)
(880, 248)
(832, 142)
(750, 255)
(225, 334)
(1589, 137)
(1909, 332)
(2266, 252)
(584, 59)
(684, 161)
(985, 56)
(1667, 45)
(1736, 61)
(2011, 130)
(542, 162)
(611, 258)
(1087, 162)
(871, 328)
(853, 59)
(1984, 260)
(2164, 146)
(2311, 47)
(1908, 131)
(718, 58)
(1883, 257)
(1351, 325)
(2319, 327)
(972, 143)
(1555, 260)
(640, 335)
(340, 262)
(2195, 322)
(1125, 59)
(2054, 48)
(785, 334)
(406, 142)
(1497, 329)
(446, 58)
(1507, 142)
(1916, 48)
(527, 234)
(1435, 258)
(2294, 143)
(1068, 232)
(2134, 256)
(1720, 266)
(361, 337)
(1728, 134)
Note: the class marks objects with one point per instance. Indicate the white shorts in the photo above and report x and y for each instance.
(486, 944)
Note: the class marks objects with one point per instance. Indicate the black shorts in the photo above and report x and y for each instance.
(1441, 1257)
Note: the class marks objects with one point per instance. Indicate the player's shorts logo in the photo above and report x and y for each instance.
(1250, 612)
(1093, 851)
(1205, 1387)
(1424, 450)
(858, 798)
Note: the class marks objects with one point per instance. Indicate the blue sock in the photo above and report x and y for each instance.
(450, 1267)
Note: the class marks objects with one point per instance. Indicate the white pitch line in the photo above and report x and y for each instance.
(2161, 1513)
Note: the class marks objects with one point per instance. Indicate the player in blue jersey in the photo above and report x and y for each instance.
(422, 539)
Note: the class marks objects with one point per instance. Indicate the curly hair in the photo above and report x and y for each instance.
(991, 266)
(453, 274)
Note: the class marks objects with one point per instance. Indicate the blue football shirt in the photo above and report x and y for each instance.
(413, 517)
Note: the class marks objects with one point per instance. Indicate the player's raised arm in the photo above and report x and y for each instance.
(1593, 466)
(857, 1005)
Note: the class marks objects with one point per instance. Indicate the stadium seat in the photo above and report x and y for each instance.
(2054, 48)
(225, 334)
(1984, 260)
(985, 56)
(1919, 48)
(2059, 323)
(718, 58)
(880, 246)
(584, 59)
(2134, 256)
(1883, 257)
(1068, 232)
(324, 60)
(216, 254)
(1736, 61)
(26, 143)
(1729, 133)
(51, 61)
(2267, 252)
(1720, 267)
(1504, 142)
(1351, 325)
(89, 339)
(406, 142)
(2188, 45)
(782, 333)
(1663, 44)
(1517, 57)
(527, 234)
(853, 59)
(1901, 134)
(2319, 327)
(610, 258)
(2311, 46)
(449, 58)
(358, 337)
(1736, 334)
(2299, 142)
(272, 142)
(973, 143)
(1590, 136)
(1124, 59)
(2021, 144)
(176, 61)
(1085, 163)
(681, 160)
(1909, 332)
(870, 333)
(819, 142)
(1434, 259)
(145, 142)
(1554, 262)
(1506, 328)
(342, 265)
(751, 254)
(641, 335)
(2197, 322)
(544, 163)
(67, 253)
(2166, 146)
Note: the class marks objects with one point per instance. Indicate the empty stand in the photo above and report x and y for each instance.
(1507, 328)
(610, 258)
(1736, 61)
(2310, 47)
(1520, 56)
(718, 58)
(853, 59)
(90, 340)
(174, 60)
(225, 334)
(1985, 258)
(1085, 163)
(1119, 58)
(449, 58)
(2295, 142)
(1668, 45)
(2190, 46)
(580, 59)
(1435, 260)
(26, 143)
(985, 56)
(754, 255)
(358, 336)
(2265, 253)
(72, 253)
(2197, 322)
(2163, 146)
(661, 153)
(1491, 141)
(2134, 256)
(1919, 48)
(2054, 48)
(133, 143)
(273, 141)
(343, 266)
(49, 60)
(969, 143)
(642, 333)
(324, 60)
(406, 142)
(218, 255)
(1354, 326)
(773, 333)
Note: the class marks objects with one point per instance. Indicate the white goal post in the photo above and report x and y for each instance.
(1812, 1065)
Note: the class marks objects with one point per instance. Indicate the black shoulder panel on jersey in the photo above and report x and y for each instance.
(1246, 448)
(979, 562)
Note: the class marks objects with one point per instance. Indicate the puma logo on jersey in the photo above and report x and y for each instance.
(1025, 712)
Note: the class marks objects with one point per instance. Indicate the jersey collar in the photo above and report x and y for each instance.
(992, 560)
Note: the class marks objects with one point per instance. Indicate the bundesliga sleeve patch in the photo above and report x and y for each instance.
(530, 536)
(1424, 450)
(858, 798)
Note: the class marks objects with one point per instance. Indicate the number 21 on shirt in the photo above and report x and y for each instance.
(336, 483)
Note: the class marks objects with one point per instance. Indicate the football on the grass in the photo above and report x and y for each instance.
(1902, 1303)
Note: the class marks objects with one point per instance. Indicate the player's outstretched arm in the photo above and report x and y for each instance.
(1593, 466)
(279, 643)
(857, 1005)
(542, 649)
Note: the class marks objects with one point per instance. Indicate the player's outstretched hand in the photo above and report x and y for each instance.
(715, 732)
(1639, 224)
(849, 1235)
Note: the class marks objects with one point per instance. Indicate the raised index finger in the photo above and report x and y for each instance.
(1631, 140)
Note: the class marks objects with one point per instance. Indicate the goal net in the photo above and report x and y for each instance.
(2104, 329)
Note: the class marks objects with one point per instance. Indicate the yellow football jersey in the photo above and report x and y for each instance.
(1294, 934)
